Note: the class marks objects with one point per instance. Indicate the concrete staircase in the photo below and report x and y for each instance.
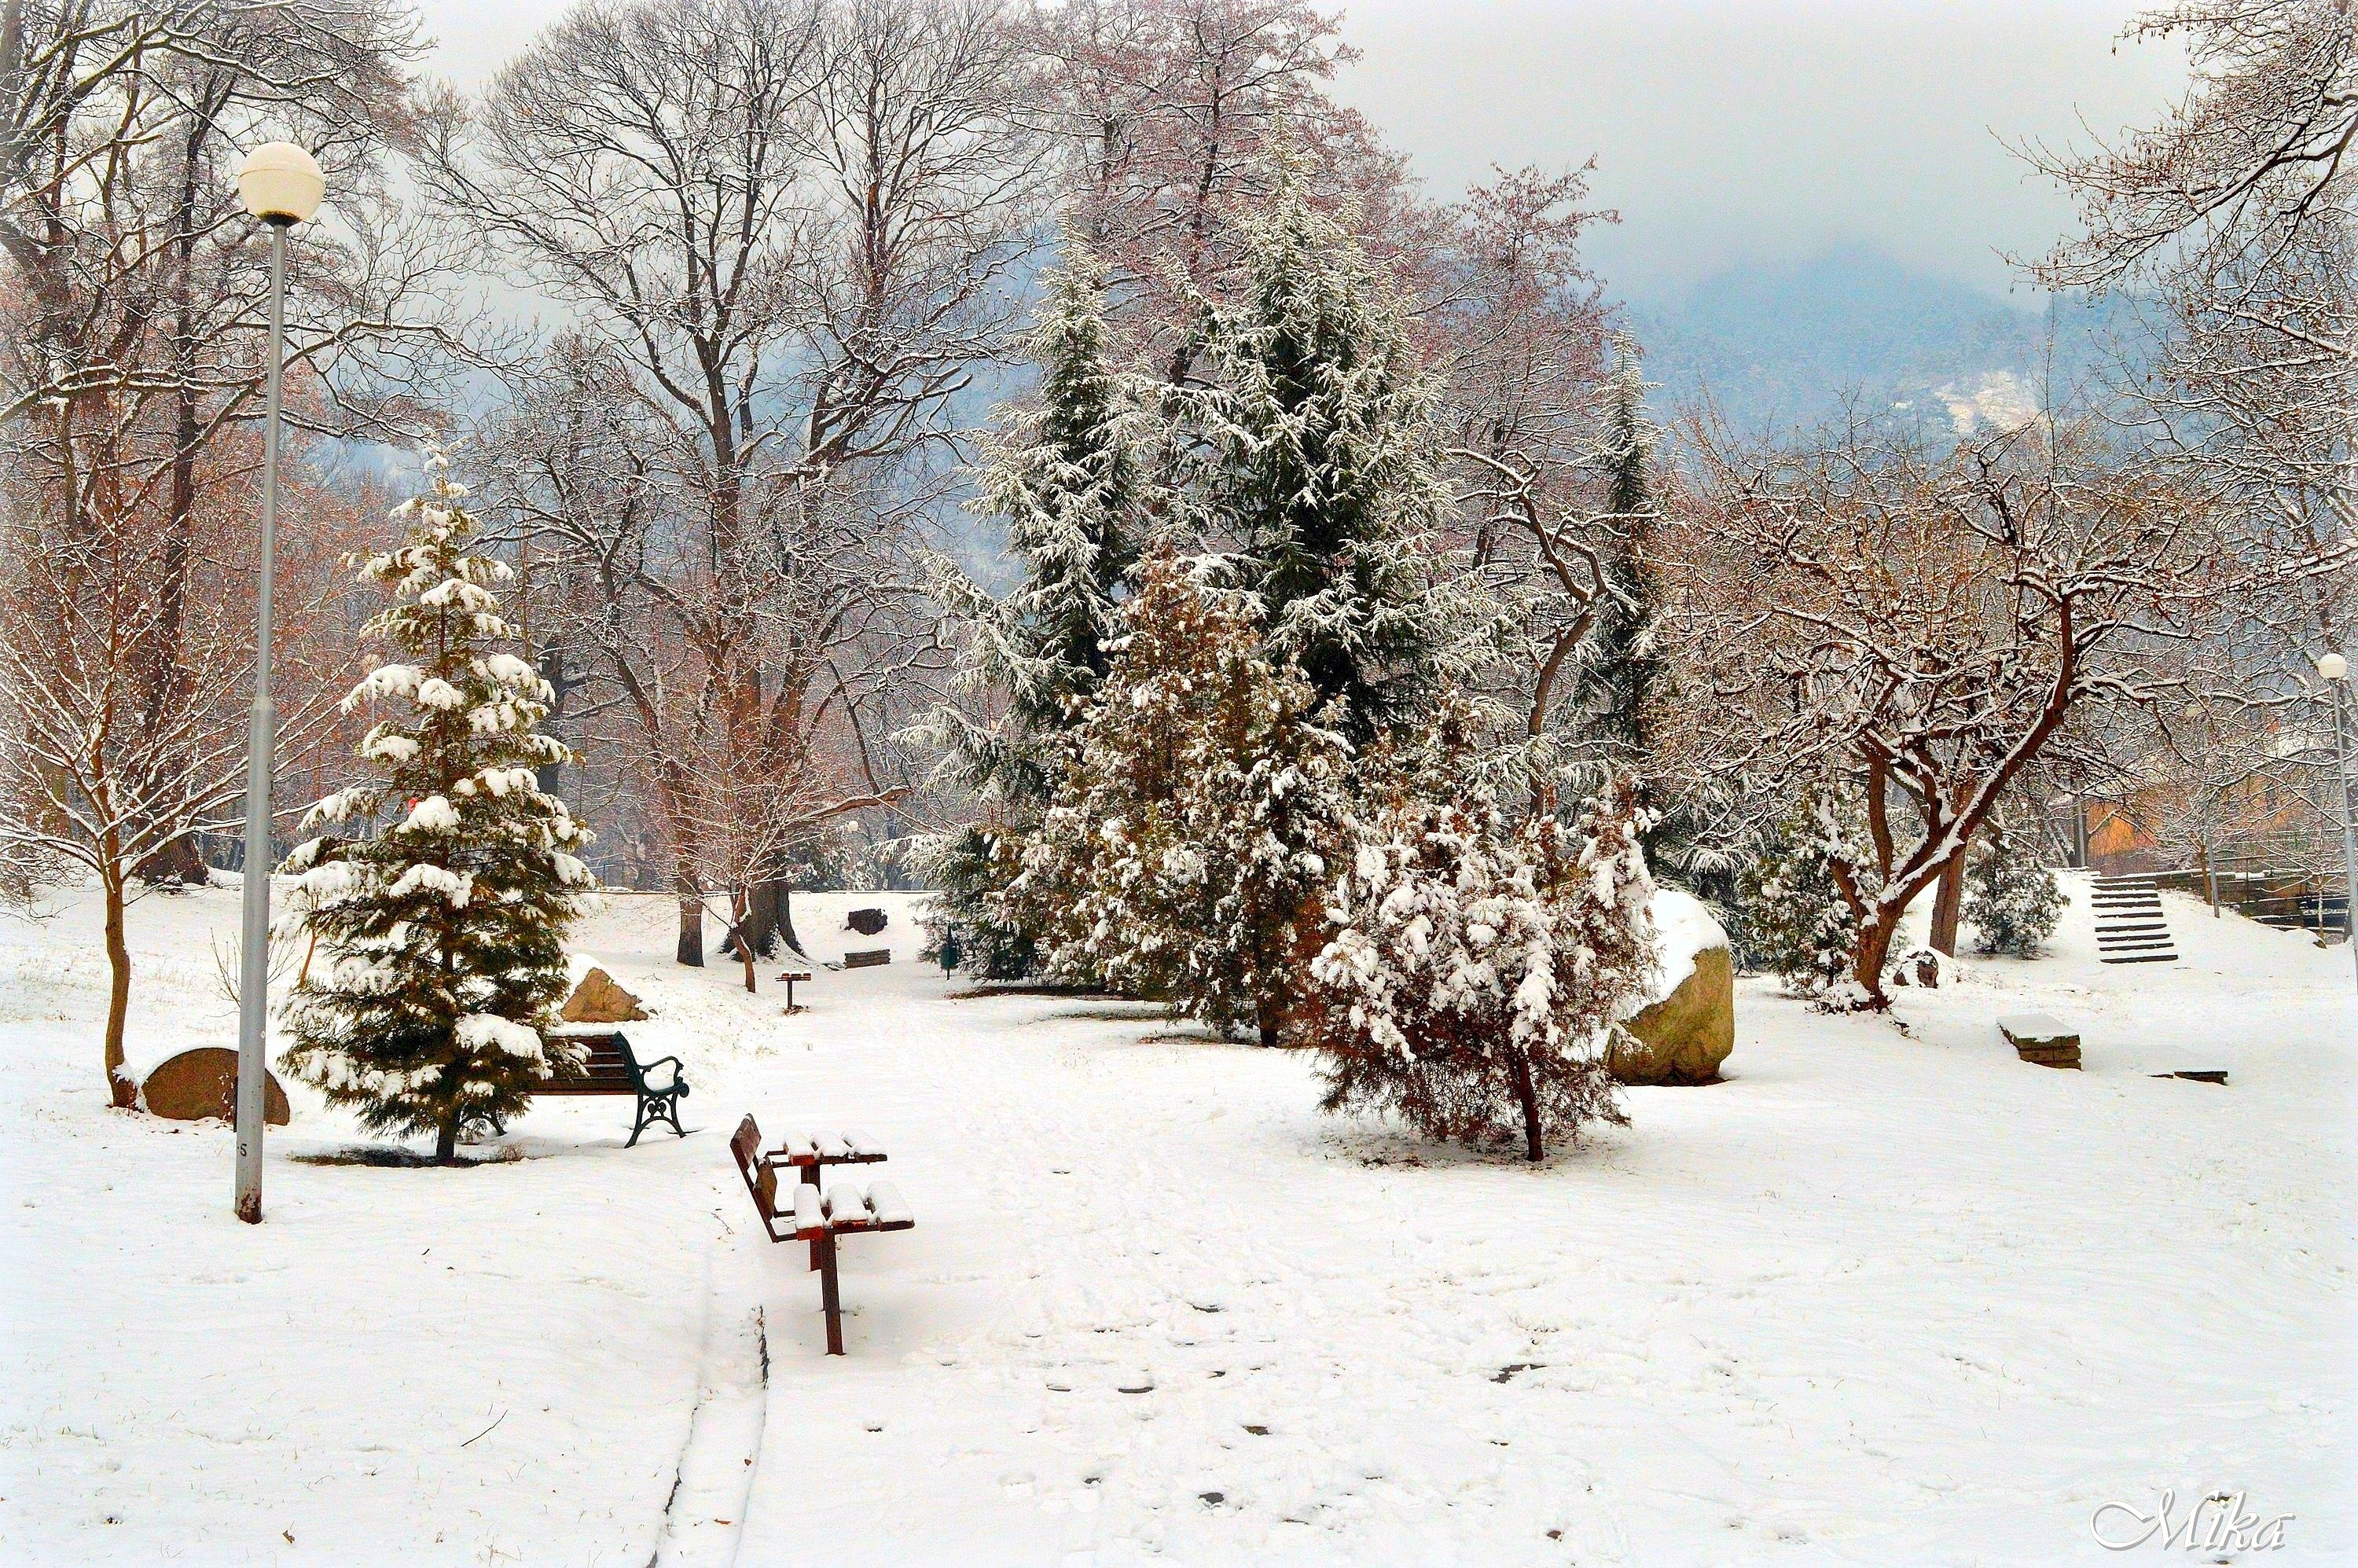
(2129, 925)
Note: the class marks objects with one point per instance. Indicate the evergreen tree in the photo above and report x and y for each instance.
(1197, 804)
(1069, 475)
(1790, 919)
(444, 933)
(1319, 457)
(1476, 971)
(1622, 673)
(2011, 899)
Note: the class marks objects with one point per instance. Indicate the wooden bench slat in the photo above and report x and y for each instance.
(892, 1213)
(847, 1207)
(810, 1219)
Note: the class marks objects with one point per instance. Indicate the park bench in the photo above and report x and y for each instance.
(814, 1215)
(609, 1066)
(792, 976)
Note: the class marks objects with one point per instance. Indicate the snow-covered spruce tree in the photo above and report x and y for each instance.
(1623, 668)
(443, 935)
(1067, 474)
(1198, 802)
(1477, 971)
(1790, 919)
(2010, 898)
(1317, 455)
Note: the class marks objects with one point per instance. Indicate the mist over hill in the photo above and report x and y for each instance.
(1775, 347)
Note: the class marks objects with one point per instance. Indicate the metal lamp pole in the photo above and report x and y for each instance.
(280, 185)
(2335, 669)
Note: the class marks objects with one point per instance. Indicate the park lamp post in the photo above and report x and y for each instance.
(280, 185)
(2336, 671)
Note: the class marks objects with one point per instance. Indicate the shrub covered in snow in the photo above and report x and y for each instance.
(1790, 918)
(1476, 971)
(2011, 899)
(1197, 804)
(443, 921)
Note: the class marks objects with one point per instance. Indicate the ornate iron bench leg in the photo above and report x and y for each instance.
(639, 1123)
(825, 1247)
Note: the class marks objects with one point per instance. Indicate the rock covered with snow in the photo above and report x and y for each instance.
(1688, 1029)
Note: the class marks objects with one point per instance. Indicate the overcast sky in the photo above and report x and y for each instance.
(1725, 131)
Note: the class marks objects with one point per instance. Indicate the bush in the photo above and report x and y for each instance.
(1475, 972)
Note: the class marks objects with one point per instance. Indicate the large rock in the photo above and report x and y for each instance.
(597, 1000)
(1684, 1036)
(203, 1082)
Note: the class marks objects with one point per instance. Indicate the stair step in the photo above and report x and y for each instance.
(2142, 959)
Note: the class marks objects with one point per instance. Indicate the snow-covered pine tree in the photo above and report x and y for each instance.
(2011, 899)
(1067, 474)
(442, 935)
(1319, 458)
(1476, 970)
(1622, 672)
(1197, 805)
(1790, 919)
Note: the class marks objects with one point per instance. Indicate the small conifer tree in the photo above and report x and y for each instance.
(1476, 970)
(1790, 919)
(2011, 899)
(443, 933)
(1198, 802)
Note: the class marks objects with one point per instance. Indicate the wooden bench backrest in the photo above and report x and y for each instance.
(759, 1179)
(606, 1062)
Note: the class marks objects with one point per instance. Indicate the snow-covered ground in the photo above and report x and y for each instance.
(1878, 1298)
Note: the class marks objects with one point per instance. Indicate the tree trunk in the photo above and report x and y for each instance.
(786, 919)
(1948, 903)
(121, 1092)
(740, 911)
(446, 1141)
(1873, 950)
(759, 926)
(691, 927)
(1526, 1094)
(1269, 1008)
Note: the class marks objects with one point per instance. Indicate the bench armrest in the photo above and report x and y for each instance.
(647, 1070)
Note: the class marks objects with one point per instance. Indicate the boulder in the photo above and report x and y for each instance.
(203, 1082)
(597, 1000)
(867, 922)
(1689, 1030)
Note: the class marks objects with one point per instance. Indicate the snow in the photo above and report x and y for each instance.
(1878, 1298)
(432, 814)
(454, 886)
(482, 1031)
(1683, 927)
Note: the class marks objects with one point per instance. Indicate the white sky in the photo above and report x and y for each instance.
(1726, 131)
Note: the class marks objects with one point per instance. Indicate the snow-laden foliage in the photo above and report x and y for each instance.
(1317, 455)
(1790, 918)
(1476, 969)
(442, 921)
(2011, 899)
(1197, 804)
(1068, 473)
